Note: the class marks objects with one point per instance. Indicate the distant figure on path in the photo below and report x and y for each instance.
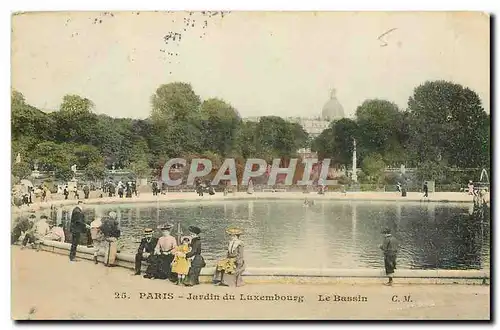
(77, 227)
(86, 191)
(128, 190)
(398, 187)
(197, 261)
(426, 189)
(229, 270)
(66, 192)
(155, 188)
(250, 189)
(390, 248)
(146, 250)
(471, 188)
(134, 188)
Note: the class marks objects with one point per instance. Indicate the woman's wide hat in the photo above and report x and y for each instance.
(166, 226)
(234, 231)
(194, 230)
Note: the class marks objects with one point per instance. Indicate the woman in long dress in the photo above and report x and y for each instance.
(229, 270)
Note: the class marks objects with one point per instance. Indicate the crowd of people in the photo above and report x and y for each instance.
(166, 258)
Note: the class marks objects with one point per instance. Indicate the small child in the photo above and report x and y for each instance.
(180, 264)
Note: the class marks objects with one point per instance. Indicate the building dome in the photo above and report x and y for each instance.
(332, 110)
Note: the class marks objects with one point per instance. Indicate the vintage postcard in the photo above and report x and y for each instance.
(218, 165)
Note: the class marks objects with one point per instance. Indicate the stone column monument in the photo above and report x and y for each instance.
(354, 161)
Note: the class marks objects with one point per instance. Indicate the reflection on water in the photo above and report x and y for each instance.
(333, 234)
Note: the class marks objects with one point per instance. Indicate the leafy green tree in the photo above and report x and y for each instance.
(379, 126)
(174, 101)
(75, 122)
(448, 122)
(275, 138)
(95, 171)
(27, 121)
(336, 142)
(220, 122)
(76, 104)
(21, 170)
(373, 166)
(246, 140)
(85, 155)
(140, 168)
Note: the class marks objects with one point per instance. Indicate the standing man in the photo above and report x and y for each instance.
(66, 192)
(146, 250)
(390, 248)
(134, 188)
(77, 227)
(86, 191)
(111, 233)
(197, 261)
(426, 189)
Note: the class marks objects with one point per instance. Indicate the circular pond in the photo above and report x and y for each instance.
(329, 234)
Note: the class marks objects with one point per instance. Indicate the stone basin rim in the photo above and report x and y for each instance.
(287, 196)
(127, 260)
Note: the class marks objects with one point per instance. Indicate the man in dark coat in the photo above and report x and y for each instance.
(134, 188)
(86, 191)
(390, 248)
(128, 190)
(77, 227)
(146, 250)
(197, 263)
(426, 189)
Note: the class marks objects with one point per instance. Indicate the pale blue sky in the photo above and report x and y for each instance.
(262, 63)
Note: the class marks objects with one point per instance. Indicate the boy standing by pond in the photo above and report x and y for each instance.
(390, 248)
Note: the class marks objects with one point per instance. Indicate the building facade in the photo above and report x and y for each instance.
(332, 110)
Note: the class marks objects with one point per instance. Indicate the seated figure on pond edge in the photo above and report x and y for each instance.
(229, 270)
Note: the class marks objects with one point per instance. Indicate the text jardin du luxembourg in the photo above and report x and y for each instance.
(224, 297)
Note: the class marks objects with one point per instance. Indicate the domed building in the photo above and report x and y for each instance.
(332, 110)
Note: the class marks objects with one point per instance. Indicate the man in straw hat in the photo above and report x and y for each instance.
(197, 261)
(390, 248)
(229, 270)
(162, 268)
(146, 250)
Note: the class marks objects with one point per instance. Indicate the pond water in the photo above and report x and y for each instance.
(329, 234)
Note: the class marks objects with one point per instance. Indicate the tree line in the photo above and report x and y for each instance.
(444, 125)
